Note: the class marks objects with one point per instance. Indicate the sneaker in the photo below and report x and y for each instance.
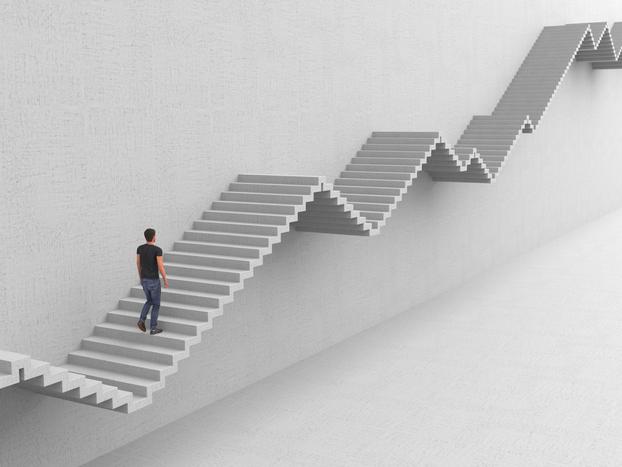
(141, 326)
(155, 331)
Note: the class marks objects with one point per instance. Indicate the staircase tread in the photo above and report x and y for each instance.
(174, 304)
(372, 203)
(234, 245)
(208, 255)
(253, 202)
(254, 213)
(189, 292)
(114, 358)
(202, 281)
(165, 318)
(200, 267)
(124, 327)
(233, 234)
(239, 223)
(132, 344)
(94, 373)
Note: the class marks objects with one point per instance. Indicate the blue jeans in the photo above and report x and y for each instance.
(153, 290)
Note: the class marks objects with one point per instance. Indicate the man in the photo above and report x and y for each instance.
(149, 262)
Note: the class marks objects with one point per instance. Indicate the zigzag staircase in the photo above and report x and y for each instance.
(120, 368)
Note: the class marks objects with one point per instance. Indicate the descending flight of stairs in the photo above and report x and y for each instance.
(118, 367)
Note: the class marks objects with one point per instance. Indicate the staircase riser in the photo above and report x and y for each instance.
(115, 366)
(178, 312)
(351, 181)
(248, 218)
(280, 179)
(227, 238)
(263, 198)
(246, 229)
(179, 328)
(175, 270)
(382, 168)
(351, 223)
(376, 216)
(260, 188)
(378, 176)
(371, 207)
(346, 191)
(242, 265)
(248, 207)
(142, 338)
(183, 299)
(218, 250)
(396, 147)
(221, 289)
(387, 161)
(128, 352)
(352, 198)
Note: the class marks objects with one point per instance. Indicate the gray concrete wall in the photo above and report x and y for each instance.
(118, 115)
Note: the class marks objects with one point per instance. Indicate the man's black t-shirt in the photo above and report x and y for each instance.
(148, 264)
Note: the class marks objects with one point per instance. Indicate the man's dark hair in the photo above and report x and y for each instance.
(149, 234)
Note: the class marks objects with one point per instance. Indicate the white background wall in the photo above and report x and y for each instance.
(119, 115)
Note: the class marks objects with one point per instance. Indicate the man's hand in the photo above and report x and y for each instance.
(138, 267)
(162, 271)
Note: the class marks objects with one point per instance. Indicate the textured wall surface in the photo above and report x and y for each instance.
(118, 115)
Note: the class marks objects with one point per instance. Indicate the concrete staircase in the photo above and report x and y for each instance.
(119, 368)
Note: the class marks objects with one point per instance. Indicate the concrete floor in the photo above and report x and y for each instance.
(521, 366)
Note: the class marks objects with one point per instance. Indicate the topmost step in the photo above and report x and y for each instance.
(282, 179)
(407, 134)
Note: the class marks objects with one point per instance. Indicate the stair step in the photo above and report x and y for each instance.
(121, 364)
(376, 207)
(206, 272)
(237, 227)
(245, 217)
(408, 134)
(179, 310)
(331, 229)
(316, 217)
(407, 176)
(270, 188)
(419, 148)
(136, 385)
(282, 179)
(203, 285)
(219, 261)
(229, 238)
(347, 190)
(375, 216)
(168, 323)
(260, 208)
(389, 200)
(187, 297)
(401, 140)
(154, 353)
(221, 249)
(377, 183)
(387, 161)
(273, 198)
(395, 154)
(132, 333)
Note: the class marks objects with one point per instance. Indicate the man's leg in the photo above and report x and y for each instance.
(148, 303)
(156, 292)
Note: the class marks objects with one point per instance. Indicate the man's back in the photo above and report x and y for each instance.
(148, 263)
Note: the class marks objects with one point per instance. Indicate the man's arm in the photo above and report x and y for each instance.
(138, 266)
(161, 269)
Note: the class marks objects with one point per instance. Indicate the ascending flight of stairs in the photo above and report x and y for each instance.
(118, 367)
